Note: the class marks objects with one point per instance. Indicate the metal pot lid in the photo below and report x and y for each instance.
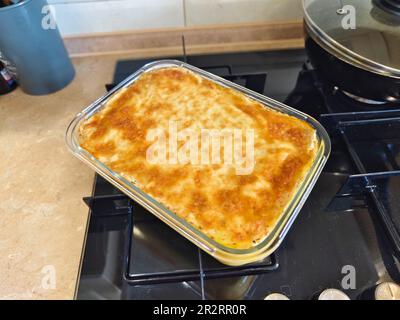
(364, 33)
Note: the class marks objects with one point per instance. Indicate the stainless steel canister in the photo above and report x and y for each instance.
(32, 49)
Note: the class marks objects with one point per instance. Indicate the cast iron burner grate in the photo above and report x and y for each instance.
(155, 253)
(370, 134)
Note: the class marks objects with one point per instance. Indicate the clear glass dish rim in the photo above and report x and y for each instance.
(274, 238)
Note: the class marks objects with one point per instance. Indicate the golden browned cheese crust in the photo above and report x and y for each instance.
(237, 211)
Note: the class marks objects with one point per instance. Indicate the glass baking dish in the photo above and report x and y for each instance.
(226, 255)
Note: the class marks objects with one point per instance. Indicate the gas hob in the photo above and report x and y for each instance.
(351, 221)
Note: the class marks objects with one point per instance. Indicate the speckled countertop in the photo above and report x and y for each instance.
(42, 215)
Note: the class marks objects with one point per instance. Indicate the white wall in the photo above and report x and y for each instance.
(89, 16)
(200, 12)
(76, 17)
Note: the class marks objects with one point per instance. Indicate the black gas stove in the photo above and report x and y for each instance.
(351, 219)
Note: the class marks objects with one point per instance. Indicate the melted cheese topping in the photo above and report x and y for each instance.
(237, 211)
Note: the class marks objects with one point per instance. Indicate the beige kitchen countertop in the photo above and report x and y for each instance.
(42, 216)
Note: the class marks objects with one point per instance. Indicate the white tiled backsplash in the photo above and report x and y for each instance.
(76, 17)
(200, 12)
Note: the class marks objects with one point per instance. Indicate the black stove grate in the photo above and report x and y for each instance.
(374, 146)
(156, 254)
(370, 135)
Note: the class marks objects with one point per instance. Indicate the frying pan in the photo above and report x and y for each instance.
(355, 46)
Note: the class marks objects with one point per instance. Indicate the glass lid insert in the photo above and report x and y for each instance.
(365, 33)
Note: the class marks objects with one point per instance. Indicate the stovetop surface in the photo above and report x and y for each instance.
(129, 254)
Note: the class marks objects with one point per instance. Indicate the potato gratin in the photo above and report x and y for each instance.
(235, 210)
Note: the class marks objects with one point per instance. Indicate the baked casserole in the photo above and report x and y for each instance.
(236, 209)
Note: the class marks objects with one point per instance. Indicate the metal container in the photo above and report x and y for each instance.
(226, 255)
(32, 49)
